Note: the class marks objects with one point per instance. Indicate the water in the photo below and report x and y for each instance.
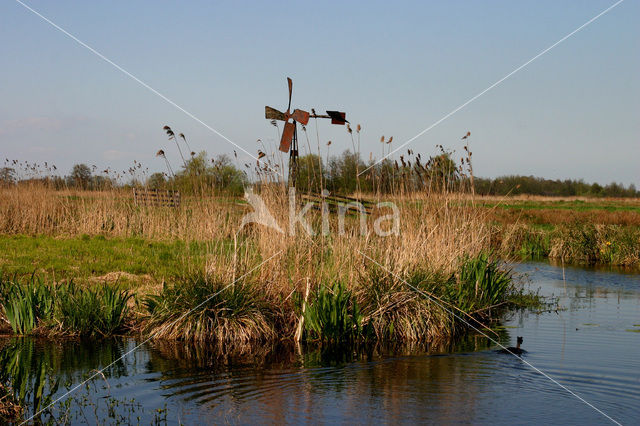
(590, 346)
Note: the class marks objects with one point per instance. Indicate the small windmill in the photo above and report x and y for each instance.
(289, 139)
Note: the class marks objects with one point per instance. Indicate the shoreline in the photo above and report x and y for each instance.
(421, 306)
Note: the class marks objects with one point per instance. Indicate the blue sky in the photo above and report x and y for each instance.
(395, 67)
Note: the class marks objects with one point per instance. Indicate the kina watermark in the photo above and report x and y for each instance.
(386, 222)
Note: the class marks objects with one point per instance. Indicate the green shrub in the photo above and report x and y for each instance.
(87, 312)
(333, 315)
(63, 308)
(25, 307)
(481, 283)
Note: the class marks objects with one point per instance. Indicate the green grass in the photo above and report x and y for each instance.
(482, 282)
(101, 311)
(85, 256)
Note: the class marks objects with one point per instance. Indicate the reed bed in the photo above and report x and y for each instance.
(343, 285)
(201, 309)
(577, 242)
(38, 210)
(436, 234)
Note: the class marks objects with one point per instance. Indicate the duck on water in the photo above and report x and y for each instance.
(515, 351)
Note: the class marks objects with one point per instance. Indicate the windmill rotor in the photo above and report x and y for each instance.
(297, 115)
(288, 140)
(274, 114)
(300, 116)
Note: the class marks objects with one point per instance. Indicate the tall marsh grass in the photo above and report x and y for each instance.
(578, 242)
(84, 311)
(400, 308)
(210, 310)
(422, 306)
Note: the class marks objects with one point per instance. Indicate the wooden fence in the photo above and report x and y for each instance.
(156, 197)
(334, 202)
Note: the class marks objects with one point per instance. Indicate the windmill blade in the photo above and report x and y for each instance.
(290, 90)
(337, 117)
(300, 116)
(274, 114)
(287, 135)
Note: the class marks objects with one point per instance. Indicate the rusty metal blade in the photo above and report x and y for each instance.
(337, 117)
(287, 135)
(300, 116)
(274, 114)
(290, 90)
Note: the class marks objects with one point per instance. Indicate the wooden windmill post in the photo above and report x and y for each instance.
(289, 139)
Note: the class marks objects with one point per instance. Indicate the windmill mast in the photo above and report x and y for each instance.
(293, 157)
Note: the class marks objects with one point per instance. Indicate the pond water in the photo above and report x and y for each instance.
(591, 346)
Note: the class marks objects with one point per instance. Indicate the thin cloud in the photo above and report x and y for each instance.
(43, 124)
(41, 149)
(114, 154)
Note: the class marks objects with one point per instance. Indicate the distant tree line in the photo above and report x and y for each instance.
(411, 173)
(341, 174)
(199, 174)
(80, 177)
(348, 173)
(515, 185)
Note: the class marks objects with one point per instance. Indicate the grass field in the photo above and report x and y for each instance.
(557, 203)
(99, 257)
(583, 230)
(550, 211)
(152, 255)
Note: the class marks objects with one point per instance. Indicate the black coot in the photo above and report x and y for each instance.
(511, 350)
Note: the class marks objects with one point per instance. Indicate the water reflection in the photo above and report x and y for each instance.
(36, 368)
(283, 383)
